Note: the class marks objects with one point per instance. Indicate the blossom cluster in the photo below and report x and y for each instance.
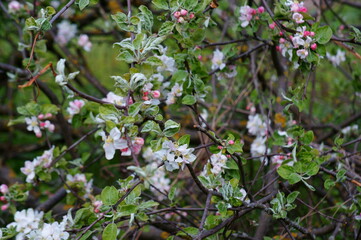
(80, 178)
(4, 190)
(42, 162)
(176, 91)
(29, 224)
(38, 123)
(257, 127)
(247, 14)
(175, 156)
(75, 107)
(337, 59)
(218, 162)
(68, 31)
(114, 141)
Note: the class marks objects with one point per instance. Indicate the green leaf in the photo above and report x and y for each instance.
(329, 183)
(148, 204)
(134, 108)
(323, 34)
(83, 4)
(170, 128)
(294, 178)
(171, 193)
(166, 28)
(292, 197)
(285, 171)
(189, 100)
(127, 210)
(308, 137)
(151, 126)
(137, 42)
(161, 4)
(356, 33)
(146, 17)
(109, 195)
(110, 232)
(87, 235)
(185, 139)
(154, 61)
(126, 56)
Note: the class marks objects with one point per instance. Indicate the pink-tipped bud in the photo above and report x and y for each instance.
(38, 134)
(282, 40)
(180, 20)
(260, 9)
(199, 57)
(97, 204)
(281, 33)
(3, 199)
(278, 48)
(41, 116)
(302, 9)
(42, 124)
(145, 98)
(191, 16)
(156, 94)
(177, 14)
(313, 46)
(139, 141)
(183, 12)
(342, 27)
(124, 150)
(4, 189)
(306, 33)
(230, 142)
(96, 210)
(228, 156)
(272, 25)
(312, 34)
(220, 147)
(4, 207)
(48, 115)
(146, 93)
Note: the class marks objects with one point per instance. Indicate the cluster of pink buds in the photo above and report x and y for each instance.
(247, 14)
(4, 189)
(147, 94)
(278, 159)
(183, 15)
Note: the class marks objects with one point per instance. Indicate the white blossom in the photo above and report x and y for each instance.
(33, 125)
(15, 6)
(115, 99)
(298, 18)
(218, 162)
(336, 59)
(175, 156)
(53, 231)
(176, 91)
(259, 148)
(350, 129)
(29, 171)
(245, 15)
(168, 64)
(84, 42)
(112, 142)
(256, 126)
(26, 221)
(66, 32)
(74, 107)
(217, 60)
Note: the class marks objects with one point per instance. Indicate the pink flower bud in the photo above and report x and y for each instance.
(124, 150)
(177, 14)
(260, 9)
(306, 33)
(183, 12)
(41, 116)
(96, 210)
(219, 147)
(3, 199)
(291, 37)
(282, 40)
(146, 93)
(312, 34)
(180, 20)
(38, 134)
(230, 142)
(272, 25)
(4, 207)
(145, 98)
(191, 16)
(281, 33)
(42, 124)
(4, 189)
(302, 9)
(199, 57)
(48, 115)
(313, 46)
(228, 156)
(342, 27)
(130, 101)
(278, 48)
(156, 94)
(139, 141)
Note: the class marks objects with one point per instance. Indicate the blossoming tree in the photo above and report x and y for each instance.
(216, 119)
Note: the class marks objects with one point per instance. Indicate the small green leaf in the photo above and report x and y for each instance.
(83, 4)
(161, 4)
(329, 183)
(189, 100)
(110, 232)
(292, 197)
(185, 139)
(166, 28)
(323, 34)
(109, 195)
(294, 178)
(171, 193)
(170, 128)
